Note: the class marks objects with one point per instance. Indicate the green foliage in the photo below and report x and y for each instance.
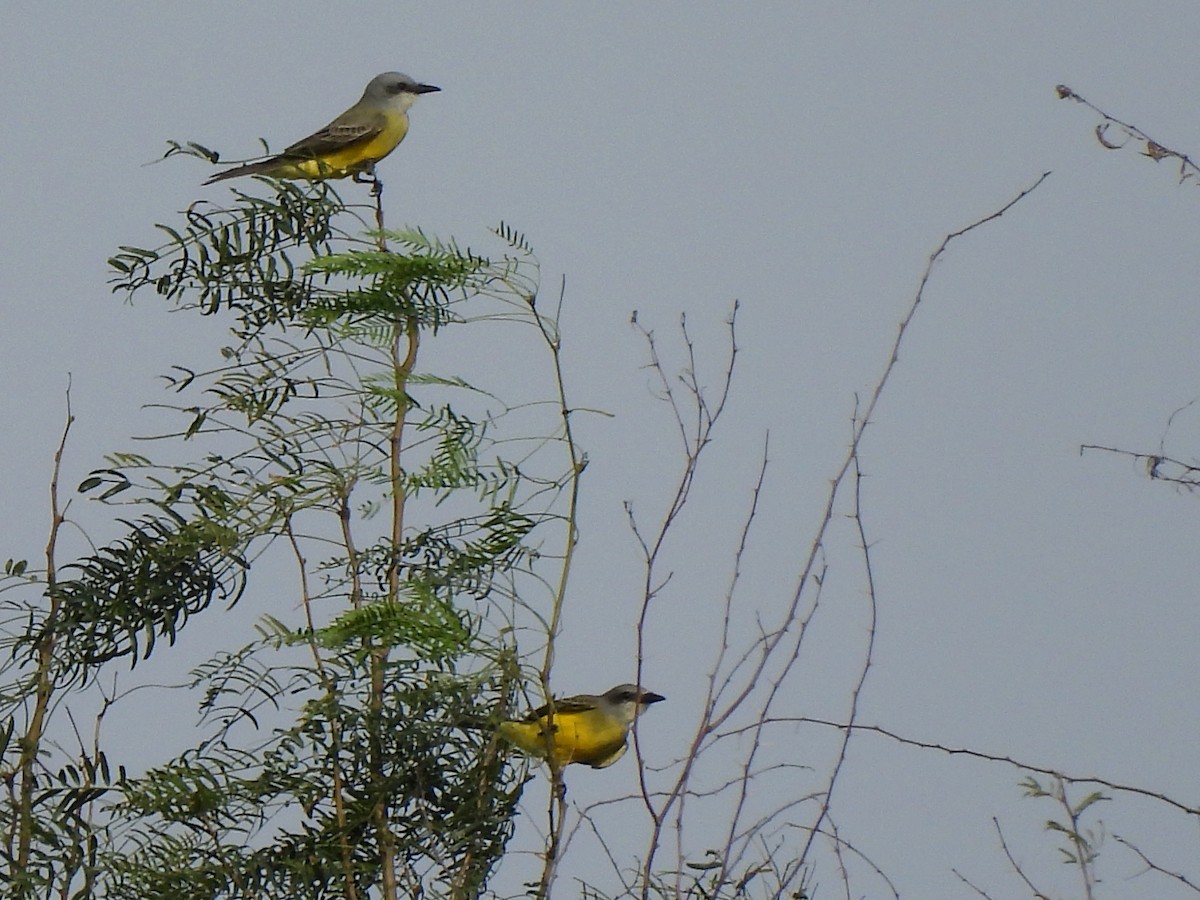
(448, 795)
(466, 555)
(238, 259)
(144, 585)
(1081, 844)
(416, 286)
(423, 623)
(332, 749)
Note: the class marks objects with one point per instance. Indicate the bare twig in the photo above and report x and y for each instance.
(1037, 894)
(1152, 866)
(980, 891)
(1156, 150)
(868, 656)
(1023, 765)
(757, 673)
(1159, 467)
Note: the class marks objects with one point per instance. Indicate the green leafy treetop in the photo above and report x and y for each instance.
(332, 758)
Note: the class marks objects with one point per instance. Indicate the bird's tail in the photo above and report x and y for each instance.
(254, 168)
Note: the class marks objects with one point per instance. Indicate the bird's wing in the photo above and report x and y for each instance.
(349, 128)
(565, 705)
(612, 758)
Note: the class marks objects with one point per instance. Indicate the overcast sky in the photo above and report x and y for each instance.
(804, 159)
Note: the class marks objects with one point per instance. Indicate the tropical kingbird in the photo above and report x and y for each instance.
(353, 142)
(589, 728)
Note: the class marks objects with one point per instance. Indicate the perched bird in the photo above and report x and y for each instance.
(589, 728)
(353, 142)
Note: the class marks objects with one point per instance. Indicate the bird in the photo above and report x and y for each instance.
(592, 729)
(353, 142)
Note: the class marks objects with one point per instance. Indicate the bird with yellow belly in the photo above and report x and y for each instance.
(592, 729)
(352, 143)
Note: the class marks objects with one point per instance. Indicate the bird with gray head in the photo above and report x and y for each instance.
(352, 143)
(592, 729)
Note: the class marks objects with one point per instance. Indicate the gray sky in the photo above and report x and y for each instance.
(804, 159)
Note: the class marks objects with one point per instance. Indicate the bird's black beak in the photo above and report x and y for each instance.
(424, 89)
(648, 697)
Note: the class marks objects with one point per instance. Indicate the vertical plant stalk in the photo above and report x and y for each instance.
(406, 341)
(557, 810)
(868, 659)
(31, 742)
(350, 888)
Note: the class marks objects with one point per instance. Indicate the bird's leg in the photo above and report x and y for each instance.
(366, 175)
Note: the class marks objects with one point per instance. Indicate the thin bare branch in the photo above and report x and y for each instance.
(1016, 867)
(1155, 150)
(1152, 866)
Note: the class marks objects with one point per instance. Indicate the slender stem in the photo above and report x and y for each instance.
(557, 812)
(350, 888)
(406, 341)
(43, 678)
